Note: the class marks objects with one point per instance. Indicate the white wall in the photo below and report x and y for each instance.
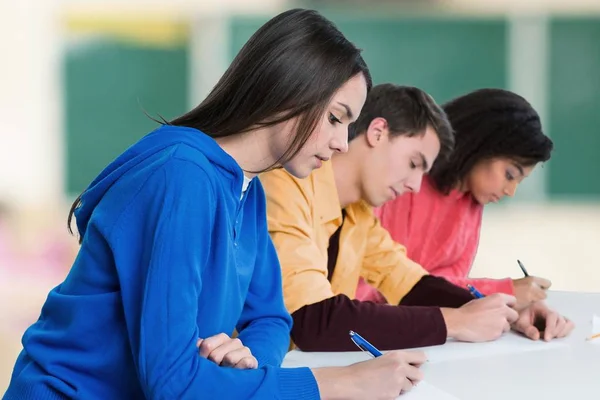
(560, 242)
(30, 135)
(31, 142)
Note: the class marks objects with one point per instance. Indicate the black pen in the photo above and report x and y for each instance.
(523, 268)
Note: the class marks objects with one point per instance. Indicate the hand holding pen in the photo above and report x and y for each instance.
(403, 366)
(485, 318)
(530, 288)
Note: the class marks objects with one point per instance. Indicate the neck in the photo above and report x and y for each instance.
(251, 150)
(462, 187)
(346, 174)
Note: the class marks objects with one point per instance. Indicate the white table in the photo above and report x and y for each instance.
(512, 367)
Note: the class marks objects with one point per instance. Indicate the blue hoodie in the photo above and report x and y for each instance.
(170, 254)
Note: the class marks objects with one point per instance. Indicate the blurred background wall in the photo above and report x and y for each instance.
(77, 78)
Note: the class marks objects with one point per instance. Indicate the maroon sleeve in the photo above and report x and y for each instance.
(416, 322)
(325, 326)
(436, 291)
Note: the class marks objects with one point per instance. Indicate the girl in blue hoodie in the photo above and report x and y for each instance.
(175, 253)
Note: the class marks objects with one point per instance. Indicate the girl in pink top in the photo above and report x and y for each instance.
(499, 141)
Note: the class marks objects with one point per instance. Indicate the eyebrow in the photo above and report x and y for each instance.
(520, 168)
(348, 110)
(424, 162)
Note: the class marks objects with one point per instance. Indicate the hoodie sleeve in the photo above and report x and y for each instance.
(265, 324)
(161, 244)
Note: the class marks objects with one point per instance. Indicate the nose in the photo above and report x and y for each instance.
(510, 189)
(339, 141)
(413, 183)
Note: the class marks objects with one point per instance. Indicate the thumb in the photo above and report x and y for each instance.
(541, 282)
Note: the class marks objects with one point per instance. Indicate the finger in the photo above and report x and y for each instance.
(541, 295)
(560, 326)
(407, 385)
(543, 283)
(415, 357)
(551, 324)
(511, 315)
(211, 343)
(218, 354)
(199, 342)
(247, 363)
(506, 327)
(234, 356)
(531, 332)
(414, 374)
(568, 328)
(525, 326)
(507, 299)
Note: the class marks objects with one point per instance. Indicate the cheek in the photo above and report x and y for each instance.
(488, 182)
(397, 168)
(320, 138)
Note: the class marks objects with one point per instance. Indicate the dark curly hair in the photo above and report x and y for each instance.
(490, 123)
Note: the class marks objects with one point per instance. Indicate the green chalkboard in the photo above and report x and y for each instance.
(107, 85)
(574, 107)
(445, 56)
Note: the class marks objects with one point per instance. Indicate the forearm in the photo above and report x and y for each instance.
(268, 339)
(488, 286)
(436, 291)
(324, 326)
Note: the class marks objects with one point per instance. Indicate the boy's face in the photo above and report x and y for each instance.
(396, 165)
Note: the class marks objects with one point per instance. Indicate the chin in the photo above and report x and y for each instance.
(373, 202)
(298, 171)
(480, 201)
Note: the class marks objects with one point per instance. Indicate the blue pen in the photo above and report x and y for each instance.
(474, 291)
(364, 345)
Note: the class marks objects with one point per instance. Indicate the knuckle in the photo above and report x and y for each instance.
(228, 359)
(400, 370)
(208, 345)
(419, 375)
(237, 342)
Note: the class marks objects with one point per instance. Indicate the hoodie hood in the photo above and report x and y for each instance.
(155, 142)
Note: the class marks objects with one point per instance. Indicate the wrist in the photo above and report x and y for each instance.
(452, 320)
(330, 383)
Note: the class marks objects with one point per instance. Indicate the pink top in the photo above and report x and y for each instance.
(441, 233)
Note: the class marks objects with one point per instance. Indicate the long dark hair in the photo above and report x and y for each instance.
(291, 67)
(490, 123)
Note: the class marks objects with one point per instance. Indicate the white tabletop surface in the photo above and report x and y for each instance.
(512, 367)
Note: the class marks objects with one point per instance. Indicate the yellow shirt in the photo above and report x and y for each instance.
(303, 214)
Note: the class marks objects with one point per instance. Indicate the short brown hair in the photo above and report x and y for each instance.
(408, 111)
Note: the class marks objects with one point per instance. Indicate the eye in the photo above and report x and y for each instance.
(413, 165)
(333, 119)
(509, 176)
